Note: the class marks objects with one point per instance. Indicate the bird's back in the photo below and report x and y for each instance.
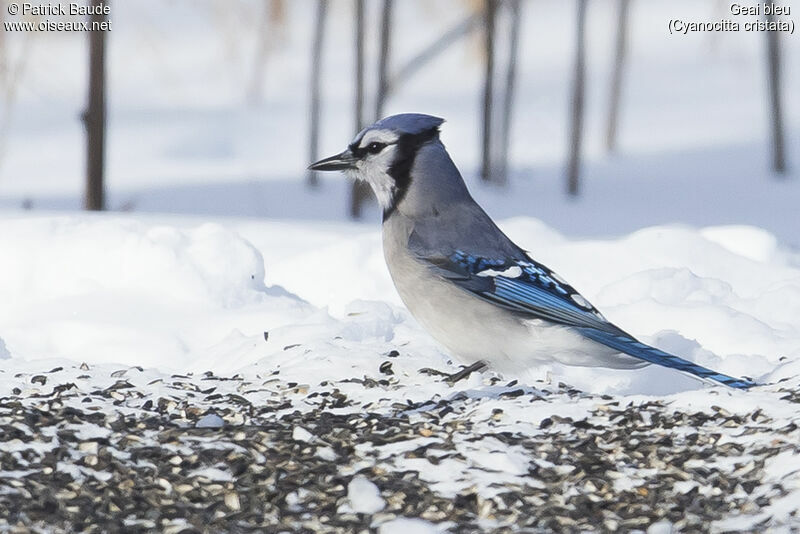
(438, 213)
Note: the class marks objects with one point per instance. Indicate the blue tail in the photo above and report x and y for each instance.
(634, 348)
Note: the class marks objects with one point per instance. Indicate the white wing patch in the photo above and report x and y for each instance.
(580, 301)
(514, 271)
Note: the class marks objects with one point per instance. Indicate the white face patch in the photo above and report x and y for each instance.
(374, 168)
(512, 272)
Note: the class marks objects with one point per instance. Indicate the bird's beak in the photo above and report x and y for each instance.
(339, 162)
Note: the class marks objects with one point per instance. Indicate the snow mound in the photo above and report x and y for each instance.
(66, 257)
(121, 290)
(183, 296)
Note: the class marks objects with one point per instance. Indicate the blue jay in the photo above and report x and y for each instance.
(470, 286)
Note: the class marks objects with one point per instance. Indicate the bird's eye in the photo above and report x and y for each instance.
(374, 148)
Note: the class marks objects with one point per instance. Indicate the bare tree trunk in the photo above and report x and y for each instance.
(260, 57)
(616, 75)
(383, 60)
(488, 89)
(95, 115)
(573, 165)
(775, 104)
(359, 191)
(508, 97)
(316, 67)
(359, 42)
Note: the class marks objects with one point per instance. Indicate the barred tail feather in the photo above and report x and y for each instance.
(637, 349)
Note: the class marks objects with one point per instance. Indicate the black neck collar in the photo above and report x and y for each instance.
(408, 146)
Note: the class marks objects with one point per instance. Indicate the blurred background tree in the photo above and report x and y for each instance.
(217, 106)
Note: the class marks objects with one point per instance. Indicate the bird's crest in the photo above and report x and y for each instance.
(408, 123)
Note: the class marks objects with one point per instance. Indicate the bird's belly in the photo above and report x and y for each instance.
(473, 329)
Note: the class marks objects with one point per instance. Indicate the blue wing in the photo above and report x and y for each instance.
(529, 288)
(523, 285)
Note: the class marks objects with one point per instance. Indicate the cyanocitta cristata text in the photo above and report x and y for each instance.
(468, 284)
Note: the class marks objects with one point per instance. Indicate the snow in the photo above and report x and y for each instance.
(80, 473)
(182, 294)
(210, 421)
(228, 263)
(87, 431)
(326, 453)
(406, 525)
(123, 291)
(212, 473)
(661, 527)
(364, 496)
(301, 434)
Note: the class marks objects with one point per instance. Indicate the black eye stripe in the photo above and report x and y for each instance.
(371, 148)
